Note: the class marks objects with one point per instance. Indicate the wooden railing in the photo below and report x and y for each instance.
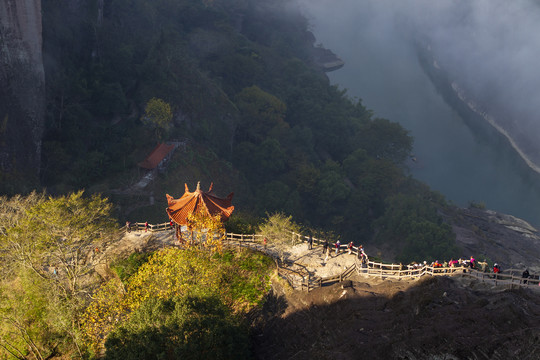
(151, 228)
(315, 282)
(395, 271)
(244, 237)
(305, 281)
(504, 279)
(398, 271)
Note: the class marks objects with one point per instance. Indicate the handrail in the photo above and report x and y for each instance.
(377, 269)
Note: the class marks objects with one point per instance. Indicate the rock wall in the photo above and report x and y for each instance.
(22, 92)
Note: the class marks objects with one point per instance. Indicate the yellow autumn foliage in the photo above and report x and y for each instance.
(240, 279)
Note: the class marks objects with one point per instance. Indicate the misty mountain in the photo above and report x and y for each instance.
(254, 107)
(478, 54)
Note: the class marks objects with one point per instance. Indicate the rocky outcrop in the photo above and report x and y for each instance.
(501, 238)
(326, 60)
(22, 90)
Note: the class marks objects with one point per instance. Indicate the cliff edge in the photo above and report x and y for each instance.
(22, 94)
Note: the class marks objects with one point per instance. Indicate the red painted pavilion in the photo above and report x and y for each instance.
(193, 202)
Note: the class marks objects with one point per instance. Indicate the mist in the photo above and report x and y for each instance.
(489, 47)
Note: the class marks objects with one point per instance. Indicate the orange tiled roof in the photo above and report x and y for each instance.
(156, 156)
(179, 209)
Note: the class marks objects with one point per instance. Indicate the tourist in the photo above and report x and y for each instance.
(265, 241)
(472, 265)
(496, 270)
(146, 226)
(128, 226)
(483, 265)
(360, 251)
(310, 242)
(525, 275)
(338, 244)
(325, 246)
(349, 247)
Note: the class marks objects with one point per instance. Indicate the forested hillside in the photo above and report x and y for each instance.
(241, 84)
(259, 115)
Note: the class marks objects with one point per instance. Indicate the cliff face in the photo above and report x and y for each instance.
(22, 91)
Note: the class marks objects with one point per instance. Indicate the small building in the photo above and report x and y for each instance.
(158, 157)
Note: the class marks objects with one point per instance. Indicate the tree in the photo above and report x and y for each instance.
(209, 229)
(49, 244)
(179, 328)
(240, 279)
(261, 113)
(278, 228)
(65, 232)
(158, 114)
(387, 140)
(412, 224)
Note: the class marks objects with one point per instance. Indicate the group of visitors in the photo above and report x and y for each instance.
(128, 226)
(337, 247)
(460, 263)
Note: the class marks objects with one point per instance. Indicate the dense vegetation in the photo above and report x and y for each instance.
(259, 115)
(47, 247)
(190, 292)
(236, 80)
(169, 303)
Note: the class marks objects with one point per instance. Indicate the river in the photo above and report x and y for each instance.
(382, 69)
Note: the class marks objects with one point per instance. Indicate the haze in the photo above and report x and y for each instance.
(490, 47)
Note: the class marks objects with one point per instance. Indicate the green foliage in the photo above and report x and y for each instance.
(477, 205)
(24, 308)
(242, 223)
(238, 279)
(158, 114)
(128, 267)
(278, 228)
(249, 93)
(277, 196)
(47, 246)
(386, 140)
(261, 113)
(179, 328)
(414, 226)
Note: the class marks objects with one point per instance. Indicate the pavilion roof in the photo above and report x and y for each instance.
(179, 209)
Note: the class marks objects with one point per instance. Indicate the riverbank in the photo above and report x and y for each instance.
(461, 94)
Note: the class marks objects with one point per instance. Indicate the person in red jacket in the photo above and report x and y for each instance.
(496, 270)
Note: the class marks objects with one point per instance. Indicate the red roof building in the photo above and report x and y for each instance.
(157, 156)
(192, 202)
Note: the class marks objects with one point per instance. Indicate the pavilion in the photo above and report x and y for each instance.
(193, 202)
